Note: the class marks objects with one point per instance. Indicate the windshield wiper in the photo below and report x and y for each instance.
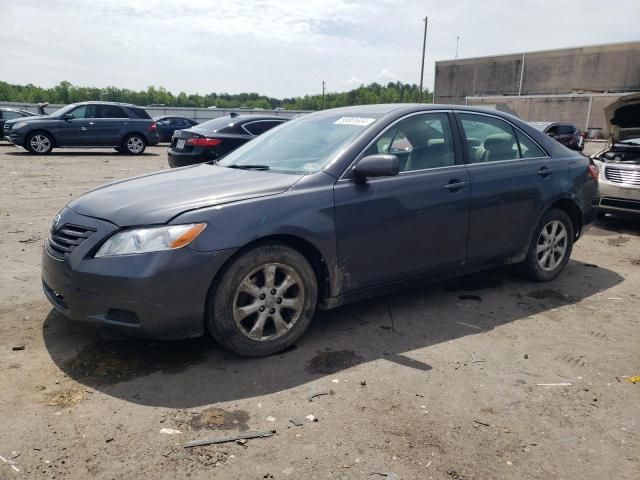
(248, 167)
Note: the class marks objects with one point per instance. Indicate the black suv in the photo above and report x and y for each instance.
(127, 128)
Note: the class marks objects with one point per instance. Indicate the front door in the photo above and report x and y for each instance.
(72, 132)
(511, 179)
(393, 228)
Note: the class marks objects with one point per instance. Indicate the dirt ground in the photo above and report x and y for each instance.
(445, 382)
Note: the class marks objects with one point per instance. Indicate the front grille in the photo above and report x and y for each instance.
(620, 203)
(622, 175)
(64, 240)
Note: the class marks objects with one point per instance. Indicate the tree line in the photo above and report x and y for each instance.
(65, 92)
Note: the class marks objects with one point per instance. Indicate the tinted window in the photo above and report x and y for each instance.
(552, 130)
(425, 138)
(489, 139)
(528, 148)
(566, 129)
(257, 128)
(182, 122)
(137, 112)
(84, 111)
(9, 115)
(110, 111)
(216, 124)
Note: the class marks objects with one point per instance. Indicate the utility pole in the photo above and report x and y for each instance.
(323, 103)
(457, 44)
(424, 45)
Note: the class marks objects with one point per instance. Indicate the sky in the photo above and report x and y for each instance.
(282, 48)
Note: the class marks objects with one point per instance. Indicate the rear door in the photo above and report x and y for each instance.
(511, 180)
(393, 228)
(107, 127)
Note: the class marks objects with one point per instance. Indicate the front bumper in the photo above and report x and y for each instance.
(14, 137)
(615, 197)
(159, 295)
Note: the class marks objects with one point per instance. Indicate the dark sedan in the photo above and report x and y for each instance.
(169, 124)
(127, 128)
(566, 133)
(13, 114)
(330, 208)
(216, 138)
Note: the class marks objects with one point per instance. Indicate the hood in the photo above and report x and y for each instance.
(157, 197)
(623, 118)
(27, 119)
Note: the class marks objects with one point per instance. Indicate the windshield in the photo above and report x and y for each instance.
(304, 145)
(63, 110)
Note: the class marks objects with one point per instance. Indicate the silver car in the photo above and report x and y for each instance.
(619, 162)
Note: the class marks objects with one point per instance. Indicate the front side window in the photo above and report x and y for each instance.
(566, 130)
(420, 142)
(84, 111)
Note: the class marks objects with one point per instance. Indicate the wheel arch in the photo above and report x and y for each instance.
(571, 208)
(54, 142)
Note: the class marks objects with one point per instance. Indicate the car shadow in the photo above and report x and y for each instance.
(191, 373)
(80, 153)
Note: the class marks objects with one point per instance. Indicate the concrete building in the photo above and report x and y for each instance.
(572, 84)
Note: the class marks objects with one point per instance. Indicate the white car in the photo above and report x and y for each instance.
(619, 162)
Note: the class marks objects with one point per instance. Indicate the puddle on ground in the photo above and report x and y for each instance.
(332, 362)
(549, 294)
(219, 418)
(107, 362)
(618, 241)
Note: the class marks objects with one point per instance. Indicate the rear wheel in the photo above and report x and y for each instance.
(134, 144)
(550, 247)
(263, 302)
(39, 143)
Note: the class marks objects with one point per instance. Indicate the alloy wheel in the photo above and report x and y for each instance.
(135, 144)
(40, 143)
(268, 302)
(552, 245)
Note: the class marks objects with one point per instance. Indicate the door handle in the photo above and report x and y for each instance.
(544, 171)
(91, 123)
(455, 185)
(83, 128)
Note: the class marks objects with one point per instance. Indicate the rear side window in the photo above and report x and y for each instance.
(259, 127)
(137, 112)
(110, 111)
(490, 139)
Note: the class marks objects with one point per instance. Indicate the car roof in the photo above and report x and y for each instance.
(96, 102)
(160, 117)
(248, 118)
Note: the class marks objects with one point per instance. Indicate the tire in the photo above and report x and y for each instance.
(242, 292)
(134, 144)
(40, 143)
(549, 252)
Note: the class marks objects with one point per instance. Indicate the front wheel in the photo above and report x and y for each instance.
(550, 247)
(263, 302)
(134, 144)
(39, 143)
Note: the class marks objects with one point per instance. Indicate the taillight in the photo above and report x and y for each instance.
(153, 127)
(594, 171)
(203, 142)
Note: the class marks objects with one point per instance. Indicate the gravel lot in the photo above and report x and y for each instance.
(436, 383)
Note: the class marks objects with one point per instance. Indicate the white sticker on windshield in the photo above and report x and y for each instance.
(359, 121)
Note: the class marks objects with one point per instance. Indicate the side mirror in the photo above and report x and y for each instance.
(376, 166)
(68, 116)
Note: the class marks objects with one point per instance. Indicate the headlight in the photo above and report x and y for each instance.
(19, 125)
(153, 239)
